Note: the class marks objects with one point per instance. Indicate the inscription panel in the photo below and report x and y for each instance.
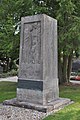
(30, 84)
(31, 51)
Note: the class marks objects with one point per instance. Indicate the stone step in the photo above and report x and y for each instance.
(55, 105)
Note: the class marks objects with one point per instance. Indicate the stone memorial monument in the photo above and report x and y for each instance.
(38, 80)
(38, 67)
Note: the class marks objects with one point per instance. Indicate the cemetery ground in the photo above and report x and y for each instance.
(7, 90)
(72, 91)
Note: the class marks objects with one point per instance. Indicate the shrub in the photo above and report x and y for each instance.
(11, 73)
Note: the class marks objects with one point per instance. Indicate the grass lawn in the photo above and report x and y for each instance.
(7, 90)
(71, 112)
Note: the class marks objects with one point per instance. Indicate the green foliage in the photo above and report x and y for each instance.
(69, 26)
(11, 12)
(69, 35)
(8, 74)
(7, 90)
(7, 28)
(67, 12)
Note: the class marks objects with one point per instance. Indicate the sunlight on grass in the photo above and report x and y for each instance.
(71, 112)
(7, 90)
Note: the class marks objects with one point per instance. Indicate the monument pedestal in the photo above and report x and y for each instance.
(50, 107)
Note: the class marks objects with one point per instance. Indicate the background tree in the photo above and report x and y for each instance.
(69, 37)
(66, 12)
(11, 12)
(68, 16)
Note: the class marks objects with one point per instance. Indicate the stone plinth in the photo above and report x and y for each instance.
(50, 107)
(37, 80)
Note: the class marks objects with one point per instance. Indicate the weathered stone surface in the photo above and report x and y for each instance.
(31, 96)
(51, 107)
(38, 60)
(38, 73)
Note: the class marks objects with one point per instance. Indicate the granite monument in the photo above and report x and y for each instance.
(38, 65)
(38, 77)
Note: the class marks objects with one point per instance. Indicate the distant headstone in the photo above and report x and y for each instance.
(38, 71)
(38, 80)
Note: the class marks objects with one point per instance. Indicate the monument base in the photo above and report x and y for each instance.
(51, 107)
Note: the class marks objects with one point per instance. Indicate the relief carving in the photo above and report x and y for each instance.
(31, 48)
(30, 71)
(31, 51)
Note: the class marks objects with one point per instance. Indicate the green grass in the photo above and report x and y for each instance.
(71, 112)
(7, 90)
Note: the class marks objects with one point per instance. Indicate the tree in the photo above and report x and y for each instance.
(11, 12)
(68, 16)
(69, 37)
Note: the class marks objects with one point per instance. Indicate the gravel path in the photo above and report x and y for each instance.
(16, 113)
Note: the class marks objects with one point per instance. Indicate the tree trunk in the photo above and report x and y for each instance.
(11, 64)
(69, 66)
(7, 67)
(59, 69)
(65, 60)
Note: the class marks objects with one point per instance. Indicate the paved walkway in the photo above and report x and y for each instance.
(15, 79)
(10, 79)
(74, 81)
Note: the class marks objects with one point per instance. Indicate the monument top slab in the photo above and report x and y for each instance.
(35, 18)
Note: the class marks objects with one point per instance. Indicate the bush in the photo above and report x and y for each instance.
(11, 73)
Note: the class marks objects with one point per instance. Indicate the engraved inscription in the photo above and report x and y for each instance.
(31, 49)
